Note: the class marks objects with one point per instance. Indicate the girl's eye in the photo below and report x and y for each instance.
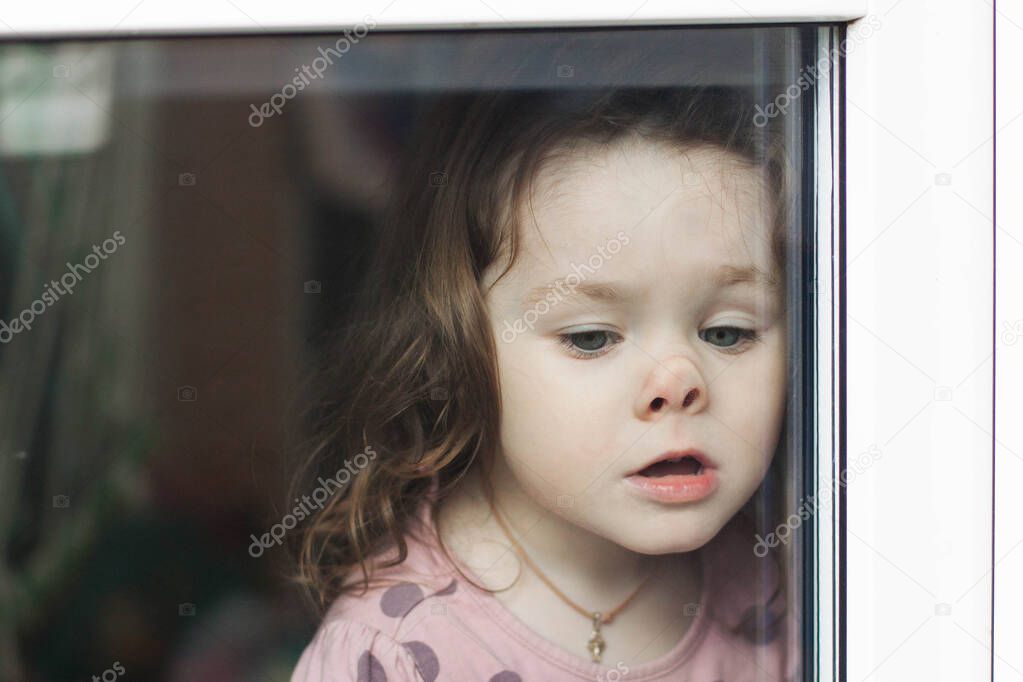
(589, 344)
(725, 338)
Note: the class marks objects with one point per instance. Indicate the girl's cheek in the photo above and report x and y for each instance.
(559, 432)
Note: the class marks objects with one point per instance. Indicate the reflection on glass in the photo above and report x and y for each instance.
(427, 356)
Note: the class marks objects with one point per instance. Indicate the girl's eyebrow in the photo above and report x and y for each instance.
(598, 292)
(611, 292)
(731, 275)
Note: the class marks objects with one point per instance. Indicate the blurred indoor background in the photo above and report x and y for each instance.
(170, 259)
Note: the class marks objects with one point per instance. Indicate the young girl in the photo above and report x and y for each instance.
(570, 360)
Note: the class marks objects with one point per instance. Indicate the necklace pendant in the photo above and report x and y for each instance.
(596, 645)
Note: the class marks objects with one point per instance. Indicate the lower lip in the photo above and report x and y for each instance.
(675, 489)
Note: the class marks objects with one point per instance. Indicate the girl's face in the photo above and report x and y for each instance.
(622, 334)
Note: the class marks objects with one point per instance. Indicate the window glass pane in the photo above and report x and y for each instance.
(278, 308)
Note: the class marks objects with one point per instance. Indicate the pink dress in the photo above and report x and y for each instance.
(428, 623)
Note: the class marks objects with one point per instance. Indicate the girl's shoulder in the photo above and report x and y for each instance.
(349, 651)
(368, 633)
(397, 592)
(394, 594)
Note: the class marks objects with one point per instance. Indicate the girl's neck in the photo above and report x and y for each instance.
(560, 548)
(591, 570)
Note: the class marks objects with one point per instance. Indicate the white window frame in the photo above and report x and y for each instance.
(920, 189)
(1007, 555)
(920, 535)
(157, 17)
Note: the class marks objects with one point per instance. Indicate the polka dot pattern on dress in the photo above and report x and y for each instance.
(399, 599)
(506, 676)
(369, 669)
(426, 659)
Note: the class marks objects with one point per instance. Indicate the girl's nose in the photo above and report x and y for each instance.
(674, 384)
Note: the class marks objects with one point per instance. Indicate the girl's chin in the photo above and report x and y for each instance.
(657, 539)
(673, 546)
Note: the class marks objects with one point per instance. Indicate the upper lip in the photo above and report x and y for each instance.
(677, 454)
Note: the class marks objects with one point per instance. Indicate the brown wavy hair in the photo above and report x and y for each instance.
(413, 373)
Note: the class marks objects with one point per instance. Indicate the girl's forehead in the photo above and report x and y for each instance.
(634, 163)
(699, 206)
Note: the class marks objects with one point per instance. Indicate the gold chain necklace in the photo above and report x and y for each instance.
(596, 643)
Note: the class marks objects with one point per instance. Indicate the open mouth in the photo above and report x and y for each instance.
(681, 466)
